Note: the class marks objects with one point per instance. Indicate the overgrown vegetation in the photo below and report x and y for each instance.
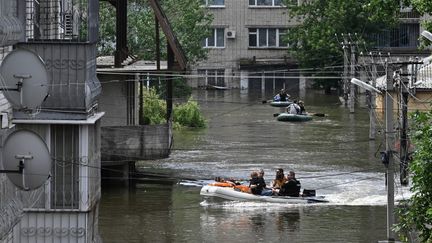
(186, 114)
(415, 214)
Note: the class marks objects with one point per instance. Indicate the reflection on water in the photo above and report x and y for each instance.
(331, 154)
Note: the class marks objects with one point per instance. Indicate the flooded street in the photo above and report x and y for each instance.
(331, 154)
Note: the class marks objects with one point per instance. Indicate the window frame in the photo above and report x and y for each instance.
(212, 76)
(215, 39)
(207, 3)
(272, 5)
(257, 33)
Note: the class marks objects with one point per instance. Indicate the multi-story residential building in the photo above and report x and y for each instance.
(63, 34)
(10, 210)
(246, 48)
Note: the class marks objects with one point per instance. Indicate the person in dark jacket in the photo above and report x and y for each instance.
(283, 95)
(257, 184)
(291, 187)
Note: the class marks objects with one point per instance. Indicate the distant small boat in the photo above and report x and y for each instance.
(281, 103)
(286, 117)
(216, 87)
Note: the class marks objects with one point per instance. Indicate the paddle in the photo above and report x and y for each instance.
(310, 114)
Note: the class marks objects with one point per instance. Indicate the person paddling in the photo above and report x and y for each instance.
(294, 108)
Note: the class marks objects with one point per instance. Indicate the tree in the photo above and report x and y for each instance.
(189, 20)
(415, 214)
(316, 43)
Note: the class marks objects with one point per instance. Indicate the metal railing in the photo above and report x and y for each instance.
(60, 20)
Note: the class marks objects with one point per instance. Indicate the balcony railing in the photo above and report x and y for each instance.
(405, 36)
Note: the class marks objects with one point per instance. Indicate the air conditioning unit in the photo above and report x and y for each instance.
(230, 34)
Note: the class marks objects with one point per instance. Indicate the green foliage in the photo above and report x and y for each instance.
(154, 108)
(316, 43)
(422, 6)
(189, 20)
(184, 115)
(189, 115)
(416, 213)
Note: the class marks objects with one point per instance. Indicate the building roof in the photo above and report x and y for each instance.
(106, 64)
(424, 77)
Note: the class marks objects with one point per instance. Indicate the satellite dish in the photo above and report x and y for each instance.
(23, 74)
(26, 150)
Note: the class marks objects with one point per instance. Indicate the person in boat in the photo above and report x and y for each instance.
(291, 187)
(279, 179)
(302, 108)
(282, 96)
(257, 184)
(294, 108)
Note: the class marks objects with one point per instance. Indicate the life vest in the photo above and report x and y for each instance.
(243, 188)
(221, 184)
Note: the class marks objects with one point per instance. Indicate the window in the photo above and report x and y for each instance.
(217, 38)
(213, 2)
(267, 37)
(210, 77)
(65, 173)
(265, 3)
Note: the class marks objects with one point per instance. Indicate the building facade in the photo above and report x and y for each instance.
(63, 34)
(246, 48)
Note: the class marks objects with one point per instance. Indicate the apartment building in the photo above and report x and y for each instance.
(63, 35)
(246, 48)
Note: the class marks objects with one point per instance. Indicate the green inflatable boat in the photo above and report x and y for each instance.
(281, 103)
(293, 117)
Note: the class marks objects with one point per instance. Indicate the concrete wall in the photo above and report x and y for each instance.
(119, 100)
(113, 101)
(120, 143)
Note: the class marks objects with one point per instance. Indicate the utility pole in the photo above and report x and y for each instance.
(404, 142)
(388, 154)
(352, 75)
(403, 153)
(371, 101)
(345, 72)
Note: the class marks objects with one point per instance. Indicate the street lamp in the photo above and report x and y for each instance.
(387, 155)
(427, 34)
(364, 85)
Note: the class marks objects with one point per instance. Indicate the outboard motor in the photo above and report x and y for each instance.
(308, 193)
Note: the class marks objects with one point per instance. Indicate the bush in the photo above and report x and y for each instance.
(154, 108)
(184, 115)
(188, 115)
